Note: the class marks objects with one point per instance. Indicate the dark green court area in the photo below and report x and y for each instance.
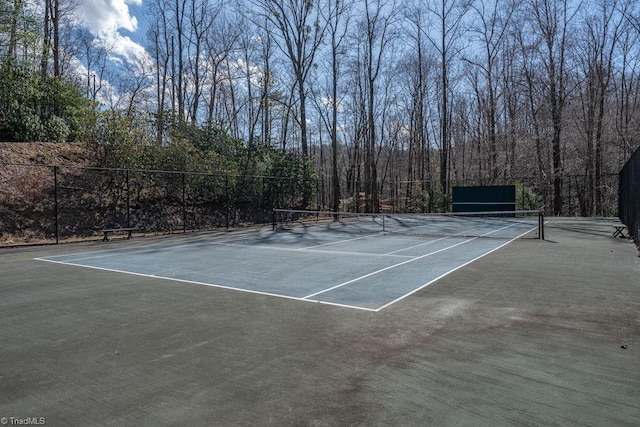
(534, 332)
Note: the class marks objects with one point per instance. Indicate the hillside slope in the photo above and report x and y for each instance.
(26, 181)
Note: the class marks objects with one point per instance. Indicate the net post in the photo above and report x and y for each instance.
(540, 224)
(273, 219)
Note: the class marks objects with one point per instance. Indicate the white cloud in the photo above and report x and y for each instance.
(105, 19)
(125, 47)
(107, 16)
(108, 21)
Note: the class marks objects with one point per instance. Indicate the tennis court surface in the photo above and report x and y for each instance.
(538, 332)
(357, 262)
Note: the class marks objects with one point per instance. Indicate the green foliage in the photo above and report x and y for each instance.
(64, 107)
(121, 142)
(527, 198)
(24, 22)
(33, 108)
(208, 149)
(57, 129)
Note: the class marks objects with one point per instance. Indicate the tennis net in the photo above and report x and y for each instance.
(501, 225)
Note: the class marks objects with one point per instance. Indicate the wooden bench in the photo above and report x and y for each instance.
(106, 232)
(619, 230)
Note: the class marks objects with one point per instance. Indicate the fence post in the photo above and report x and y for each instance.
(184, 205)
(128, 200)
(570, 198)
(55, 195)
(227, 201)
(263, 200)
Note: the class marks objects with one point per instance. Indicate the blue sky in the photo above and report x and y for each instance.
(138, 12)
(121, 24)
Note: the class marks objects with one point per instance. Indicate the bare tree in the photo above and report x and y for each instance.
(338, 17)
(448, 16)
(54, 10)
(627, 93)
(252, 75)
(419, 67)
(14, 12)
(266, 88)
(159, 46)
(58, 13)
(300, 33)
(513, 102)
(552, 21)
(178, 51)
(220, 42)
(377, 29)
(491, 23)
(201, 17)
(133, 85)
(94, 56)
(527, 46)
(597, 46)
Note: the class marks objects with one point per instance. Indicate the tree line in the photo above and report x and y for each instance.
(427, 93)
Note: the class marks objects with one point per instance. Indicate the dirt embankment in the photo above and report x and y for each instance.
(45, 153)
(26, 179)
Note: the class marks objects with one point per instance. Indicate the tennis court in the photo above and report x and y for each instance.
(322, 260)
(524, 336)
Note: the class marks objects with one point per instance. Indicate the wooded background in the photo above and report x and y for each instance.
(379, 101)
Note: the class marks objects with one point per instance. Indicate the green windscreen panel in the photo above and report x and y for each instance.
(484, 198)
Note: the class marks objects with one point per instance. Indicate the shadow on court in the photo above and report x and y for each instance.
(535, 333)
(367, 271)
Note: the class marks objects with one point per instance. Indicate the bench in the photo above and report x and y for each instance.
(106, 231)
(619, 230)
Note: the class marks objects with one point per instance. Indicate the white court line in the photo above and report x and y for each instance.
(142, 248)
(388, 268)
(193, 282)
(306, 298)
(408, 261)
(319, 251)
(341, 241)
(123, 251)
(466, 232)
(461, 234)
(417, 246)
(451, 271)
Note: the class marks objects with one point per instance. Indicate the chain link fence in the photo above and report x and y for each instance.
(531, 193)
(46, 204)
(629, 198)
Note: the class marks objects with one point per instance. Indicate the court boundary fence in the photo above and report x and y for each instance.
(629, 197)
(42, 204)
(427, 196)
